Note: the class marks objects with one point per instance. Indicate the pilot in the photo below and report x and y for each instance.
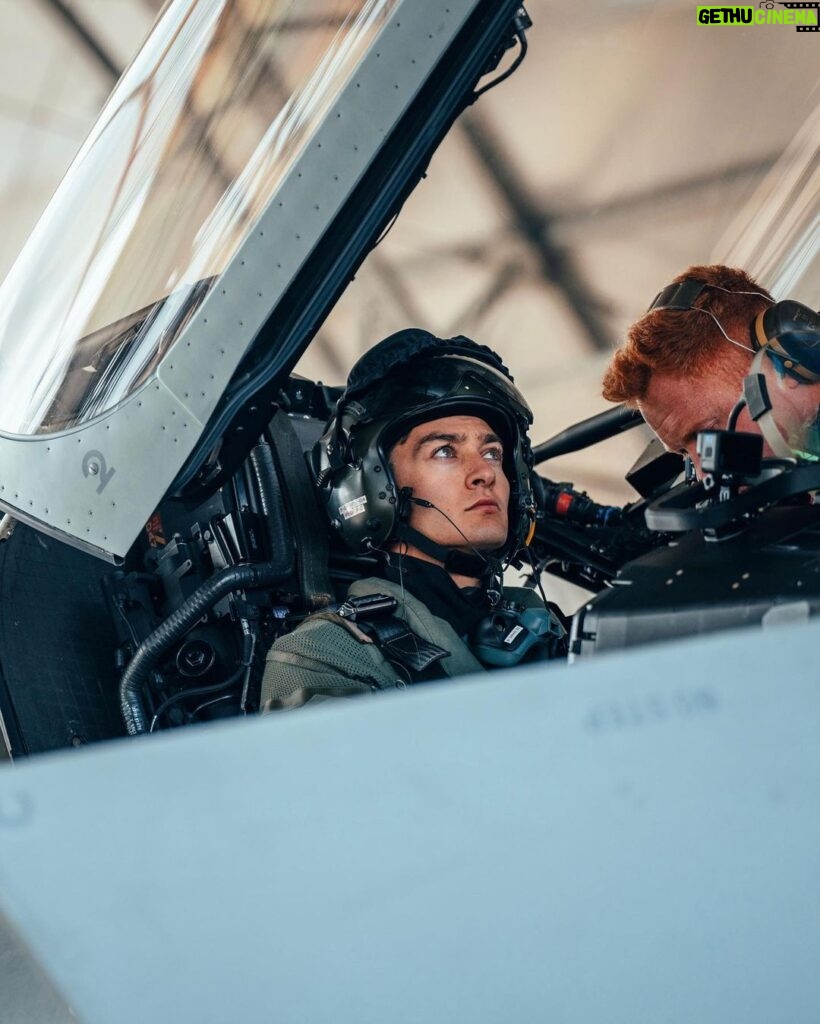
(685, 360)
(425, 465)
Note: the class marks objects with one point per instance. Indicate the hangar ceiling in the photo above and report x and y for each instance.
(630, 144)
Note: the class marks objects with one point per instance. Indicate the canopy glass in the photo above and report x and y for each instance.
(193, 143)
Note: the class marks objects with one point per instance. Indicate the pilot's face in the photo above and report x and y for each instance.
(456, 463)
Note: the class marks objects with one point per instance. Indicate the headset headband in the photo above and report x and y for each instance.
(788, 331)
(678, 296)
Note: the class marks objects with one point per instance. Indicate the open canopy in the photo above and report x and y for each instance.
(206, 123)
(234, 181)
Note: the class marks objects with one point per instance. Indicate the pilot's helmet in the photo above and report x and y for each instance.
(411, 378)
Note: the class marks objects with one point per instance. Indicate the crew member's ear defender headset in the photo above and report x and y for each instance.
(787, 332)
(411, 378)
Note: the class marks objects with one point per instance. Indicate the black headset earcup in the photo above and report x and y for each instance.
(791, 331)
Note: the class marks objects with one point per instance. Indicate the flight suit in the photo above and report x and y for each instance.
(328, 656)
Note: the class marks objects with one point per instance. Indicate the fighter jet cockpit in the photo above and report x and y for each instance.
(409, 532)
(161, 508)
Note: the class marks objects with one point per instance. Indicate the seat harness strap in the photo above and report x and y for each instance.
(374, 616)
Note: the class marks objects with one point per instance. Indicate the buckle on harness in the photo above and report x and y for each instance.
(374, 615)
(371, 606)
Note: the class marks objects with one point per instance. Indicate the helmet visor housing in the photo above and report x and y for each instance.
(448, 385)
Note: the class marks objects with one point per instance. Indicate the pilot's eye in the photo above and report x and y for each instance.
(445, 451)
(493, 455)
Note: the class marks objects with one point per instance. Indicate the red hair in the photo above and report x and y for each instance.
(682, 342)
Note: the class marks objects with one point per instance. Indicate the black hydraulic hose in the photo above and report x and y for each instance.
(149, 652)
(588, 432)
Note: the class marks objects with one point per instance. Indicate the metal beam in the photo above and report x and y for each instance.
(605, 214)
(533, 223)
(509, 274)
(391, 280)
(646, 200)
(93, 47)
(309, 24)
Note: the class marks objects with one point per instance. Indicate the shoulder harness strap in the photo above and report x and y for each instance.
(372, 615)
